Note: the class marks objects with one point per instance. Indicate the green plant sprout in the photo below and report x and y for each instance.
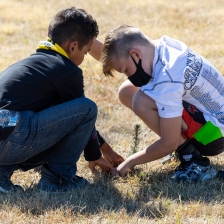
(136, 139)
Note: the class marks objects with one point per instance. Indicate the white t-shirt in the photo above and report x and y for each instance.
(181, 74)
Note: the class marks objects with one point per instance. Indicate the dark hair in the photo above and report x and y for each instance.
(118, 43)
(73, 25)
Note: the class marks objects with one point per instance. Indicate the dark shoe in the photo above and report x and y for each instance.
(77, 182)
(6, 184)
(52, 182)
(49, 181)
(193, 170)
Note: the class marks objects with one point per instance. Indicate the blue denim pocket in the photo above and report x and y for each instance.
(15, 153)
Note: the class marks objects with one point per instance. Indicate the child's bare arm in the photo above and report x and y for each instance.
(169, 141)
(96, 49)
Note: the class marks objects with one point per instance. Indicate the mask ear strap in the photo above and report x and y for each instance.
(134, 61)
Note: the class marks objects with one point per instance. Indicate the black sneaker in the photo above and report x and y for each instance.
(194, 170)
(52, 182)
(6, 184)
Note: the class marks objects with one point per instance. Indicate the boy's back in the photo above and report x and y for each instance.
(39, 81)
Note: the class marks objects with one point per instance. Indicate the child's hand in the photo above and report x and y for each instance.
(123, 168)
(110, 155)
(101, 163)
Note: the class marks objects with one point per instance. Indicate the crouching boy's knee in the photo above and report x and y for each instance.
(86, 106)
(93, 107)
(126, 92)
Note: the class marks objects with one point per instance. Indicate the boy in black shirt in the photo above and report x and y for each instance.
(53, 122)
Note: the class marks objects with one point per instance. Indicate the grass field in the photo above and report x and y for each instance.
(147, 196)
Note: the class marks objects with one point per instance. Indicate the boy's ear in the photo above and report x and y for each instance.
(135, 52)
(72, 46)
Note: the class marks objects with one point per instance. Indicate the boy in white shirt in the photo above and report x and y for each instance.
(176, 92)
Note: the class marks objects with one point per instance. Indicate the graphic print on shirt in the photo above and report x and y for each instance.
(192, 70)
(206, 100)
(213, 80)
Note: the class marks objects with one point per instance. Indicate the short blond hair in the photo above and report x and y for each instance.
(118, 43)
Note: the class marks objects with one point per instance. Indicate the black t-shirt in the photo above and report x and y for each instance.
(44, 79)
(40, 81)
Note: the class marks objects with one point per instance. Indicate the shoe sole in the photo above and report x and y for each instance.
(210, 175)
(16, 188)
(2, 190)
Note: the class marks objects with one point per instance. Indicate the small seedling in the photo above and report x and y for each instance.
(136, 139)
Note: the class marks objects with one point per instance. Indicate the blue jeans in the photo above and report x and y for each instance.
(57, 135)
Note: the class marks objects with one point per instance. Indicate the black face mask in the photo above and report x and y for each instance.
(140, 77)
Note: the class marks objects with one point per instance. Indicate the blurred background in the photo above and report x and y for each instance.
(23, 23)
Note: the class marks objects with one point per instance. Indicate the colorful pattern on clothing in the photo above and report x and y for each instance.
(198, 128)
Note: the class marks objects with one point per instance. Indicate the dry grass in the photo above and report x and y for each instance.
(147, 196)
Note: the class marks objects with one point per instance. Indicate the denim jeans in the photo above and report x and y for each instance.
(57, 135)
